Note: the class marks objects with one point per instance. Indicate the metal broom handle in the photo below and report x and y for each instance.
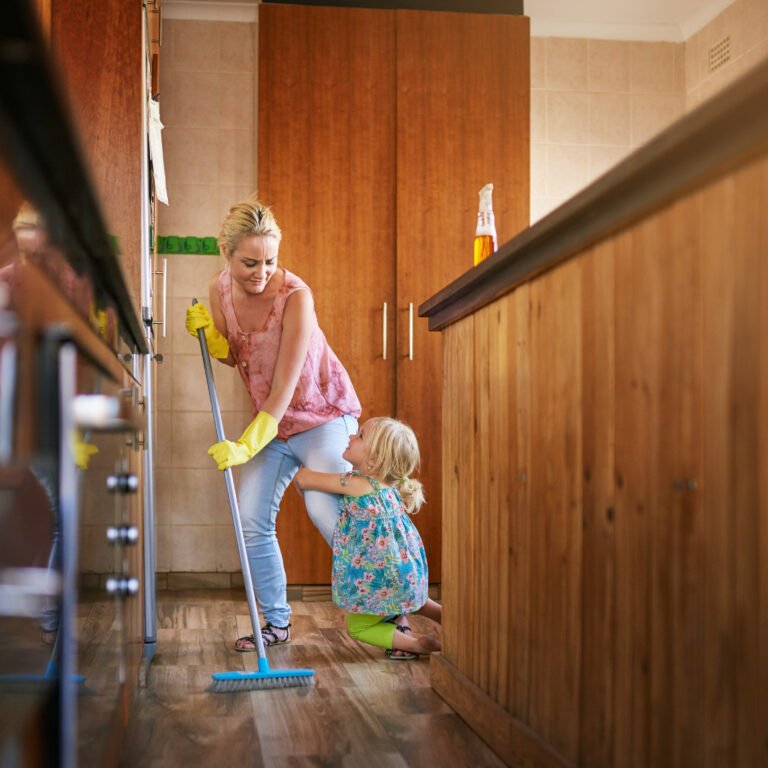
(230, 481)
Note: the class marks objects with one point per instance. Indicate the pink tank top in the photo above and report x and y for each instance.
(324, 390)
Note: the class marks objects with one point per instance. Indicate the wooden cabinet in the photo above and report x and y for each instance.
(377, 128)
(605, 408)
(98, 49)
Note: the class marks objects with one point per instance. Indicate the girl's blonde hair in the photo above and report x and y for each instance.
(249, 217)
(394, 456)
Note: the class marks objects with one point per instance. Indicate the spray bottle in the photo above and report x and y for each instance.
(485, 234)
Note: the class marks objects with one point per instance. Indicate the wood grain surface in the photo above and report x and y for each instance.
(363, 709)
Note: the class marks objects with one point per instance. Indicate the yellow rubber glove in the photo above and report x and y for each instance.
(257, 434)
(198, 317)
(81, 450)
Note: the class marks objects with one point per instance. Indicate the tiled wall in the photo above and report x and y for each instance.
(745, 22)
(593, 102)
(207, 98)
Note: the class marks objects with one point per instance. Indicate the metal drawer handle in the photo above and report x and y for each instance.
(410, 331)
(164, 273)
(384, 332)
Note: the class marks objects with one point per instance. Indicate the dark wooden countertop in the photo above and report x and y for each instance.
(719, 135)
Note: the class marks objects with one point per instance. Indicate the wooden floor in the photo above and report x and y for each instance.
(363, 710)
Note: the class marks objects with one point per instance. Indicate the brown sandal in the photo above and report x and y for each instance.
(398, 654)
(247, 643)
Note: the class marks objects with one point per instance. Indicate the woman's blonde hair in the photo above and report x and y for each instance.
(394, 456)
(249, 217)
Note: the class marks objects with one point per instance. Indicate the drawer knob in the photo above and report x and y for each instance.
(122, 534)
(124, 586)
(122, 483)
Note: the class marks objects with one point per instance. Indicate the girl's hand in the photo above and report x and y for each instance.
(297, 480)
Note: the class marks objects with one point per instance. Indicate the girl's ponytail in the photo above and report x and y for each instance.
(412, 493)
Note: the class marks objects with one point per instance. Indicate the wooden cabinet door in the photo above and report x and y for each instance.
(98, 49)
(463, 104)
(327, 167)
(376, 131)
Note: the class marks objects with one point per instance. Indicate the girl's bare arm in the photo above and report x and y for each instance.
(330, 482)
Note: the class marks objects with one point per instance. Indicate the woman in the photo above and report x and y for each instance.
(262, 320)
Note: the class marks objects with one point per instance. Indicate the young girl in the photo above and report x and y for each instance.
(379, 564)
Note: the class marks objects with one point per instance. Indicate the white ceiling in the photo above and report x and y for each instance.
(671, 20)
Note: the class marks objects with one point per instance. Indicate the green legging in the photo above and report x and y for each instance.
(375, 630)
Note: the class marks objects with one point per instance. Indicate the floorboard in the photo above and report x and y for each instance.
(363, 709)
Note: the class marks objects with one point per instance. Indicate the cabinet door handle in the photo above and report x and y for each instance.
(7, 399)
(384, 332)
(410, 331)
(164, 273)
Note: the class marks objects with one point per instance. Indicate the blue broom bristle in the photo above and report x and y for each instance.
(227, 682)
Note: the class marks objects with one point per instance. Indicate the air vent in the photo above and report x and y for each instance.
(720, 54)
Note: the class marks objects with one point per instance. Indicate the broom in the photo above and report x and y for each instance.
(264, 678)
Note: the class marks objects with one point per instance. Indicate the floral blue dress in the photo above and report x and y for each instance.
(379, 563)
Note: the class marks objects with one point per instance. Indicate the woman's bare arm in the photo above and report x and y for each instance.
(218, 316)
(298, 323)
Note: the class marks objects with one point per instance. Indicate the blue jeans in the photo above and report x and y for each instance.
(263, 481)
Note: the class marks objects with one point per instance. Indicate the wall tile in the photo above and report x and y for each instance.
(199, 497)
(193, 548)
(190, 391)
(568, 117)
(607, 65)
(191, 274)
(538, 170)
(163, 546)
(164, 384)
(227, 559)
(609, 118)
(695, 61)
(566, 63)
(652, 67)
(192, 211)
(538, 62)
(754, 22)
(192, 433)
(540, 207)
(194, 102)
(195, 47)
(652, 112)
(237, 44)
(236, 103)
(567, 171)
(191, 155)
(163, 438)
(235, 157)
(164, 496)
(539, 115)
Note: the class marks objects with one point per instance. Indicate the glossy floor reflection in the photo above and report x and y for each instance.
(363, 710)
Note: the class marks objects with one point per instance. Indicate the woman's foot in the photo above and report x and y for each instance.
(271, 634)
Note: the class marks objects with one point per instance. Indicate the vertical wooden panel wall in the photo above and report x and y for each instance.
(606, 504)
